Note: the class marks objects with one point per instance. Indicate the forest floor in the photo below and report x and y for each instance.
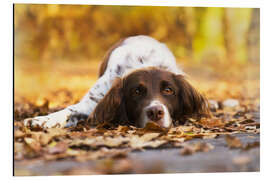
(227, 142)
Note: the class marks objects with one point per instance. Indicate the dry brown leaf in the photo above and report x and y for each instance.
(19, 134)
(189, 149)
(123, 129)
(251, 146)
(203, 147)
(114, 142)
(33, 144)
(100, 141)
(57, 131)
(211, 123)
(184, 128)
(146, 140)
(233, 142)
(154, 127)
(45, 137)
(60, 147)
(111, 166)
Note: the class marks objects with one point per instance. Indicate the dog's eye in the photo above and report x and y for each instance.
(137, 91)
(168, 91)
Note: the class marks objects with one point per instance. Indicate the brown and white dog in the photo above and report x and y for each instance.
(139, 82)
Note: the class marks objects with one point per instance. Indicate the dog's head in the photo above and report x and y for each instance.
(150, 95)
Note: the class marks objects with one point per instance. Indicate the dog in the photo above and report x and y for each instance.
(139, 81)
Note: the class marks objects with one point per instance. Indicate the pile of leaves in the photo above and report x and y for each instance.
(234, 104)
(82, 143)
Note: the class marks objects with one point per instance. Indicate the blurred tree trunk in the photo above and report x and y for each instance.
(236, 26)
(190, 29)
(228, 37)
(253, 40)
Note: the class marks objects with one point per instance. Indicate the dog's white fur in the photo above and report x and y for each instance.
(134, 53)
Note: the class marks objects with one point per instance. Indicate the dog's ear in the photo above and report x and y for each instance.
(110, 109)
(192, 104)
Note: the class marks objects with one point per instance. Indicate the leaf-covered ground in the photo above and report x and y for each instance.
(235, 126)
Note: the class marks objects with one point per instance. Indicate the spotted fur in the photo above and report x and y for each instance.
(127, 56)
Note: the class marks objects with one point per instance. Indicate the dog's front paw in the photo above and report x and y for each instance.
(39, 122)
(44, 122)
(55, 120)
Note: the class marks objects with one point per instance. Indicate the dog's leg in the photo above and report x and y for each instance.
(71, 115)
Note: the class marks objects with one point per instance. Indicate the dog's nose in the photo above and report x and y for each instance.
(155, 113)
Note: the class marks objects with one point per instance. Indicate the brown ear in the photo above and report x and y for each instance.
(192, 104)
(108, 108)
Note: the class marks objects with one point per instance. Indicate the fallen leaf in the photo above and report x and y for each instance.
(58, 148)
(33, 144)
(146, 140)
(19, 134)
(95, 142)
(189, 149)
(123, 129)
(251, 146)
(212, 122)
(154, 127)
(111, 166)
(233, 142)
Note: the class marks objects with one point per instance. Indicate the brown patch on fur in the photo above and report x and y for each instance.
(141, 60)
(119, 70)
(94, 99)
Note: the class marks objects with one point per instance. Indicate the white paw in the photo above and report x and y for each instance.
(44, 122)
(37, 122)
(57, 119)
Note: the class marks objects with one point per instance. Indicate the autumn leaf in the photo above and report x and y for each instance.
(251, 146)
(154, 127)
(146, 140)
(189, 149)
(33, 144)
(233, 142)
(58, 148)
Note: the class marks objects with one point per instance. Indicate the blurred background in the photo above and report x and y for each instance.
(58, 48)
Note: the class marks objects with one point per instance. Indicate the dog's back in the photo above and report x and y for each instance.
(138, 52)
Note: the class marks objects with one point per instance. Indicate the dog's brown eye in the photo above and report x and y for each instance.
(137, 91)
(168, 91)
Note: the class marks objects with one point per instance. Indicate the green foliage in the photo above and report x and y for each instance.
(83, 31)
